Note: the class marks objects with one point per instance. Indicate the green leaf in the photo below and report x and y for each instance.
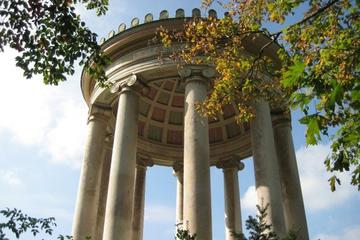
(336, 96)
(333, 181)
(293, 74)
(355, 95)
(313, 131)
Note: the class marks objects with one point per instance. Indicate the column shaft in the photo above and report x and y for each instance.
(122, 174)
(105, 172)
(267, 179)
(289, 176)
(179, 198)
(139, 202)
(197, 197)
(88, 193)
(232, 203)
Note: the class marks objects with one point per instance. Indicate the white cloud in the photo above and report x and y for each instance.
(249, 201)
(159, 214)
(50, 118)
(314, 182)
(10, 178)
(351, 233)
(315, 187)
(66, 138)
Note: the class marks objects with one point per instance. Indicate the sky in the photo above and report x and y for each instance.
(42, 135)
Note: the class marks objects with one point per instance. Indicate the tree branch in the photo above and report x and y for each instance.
(313, 15)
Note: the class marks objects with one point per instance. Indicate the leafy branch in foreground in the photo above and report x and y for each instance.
(257, 226)
(183, 234)
(19, 223)
(50, 37)
(259, 229)
(316, 67)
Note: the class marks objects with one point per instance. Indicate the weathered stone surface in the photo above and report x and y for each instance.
(212, 13)
(135, 22)
(119, 202)
(180, 13)
(122, 27)
(86, 211)
(289, 178)
(111, 34)
(266, 168)
(164, 14)
(148, 18)
(197, 197)
(196, 12)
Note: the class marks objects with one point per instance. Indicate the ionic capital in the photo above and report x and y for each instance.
(196, 73)
(144, 162)
(281, 119)
(99, 113)
(178, 168)
(231, 164)
(130, 83)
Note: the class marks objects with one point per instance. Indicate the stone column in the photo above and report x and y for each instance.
(105, 172)
(120, 199)
(232, 197)
(197, 196)
(139, 197)
(179, 173)
(88, 193)
(266, 168)
(289, 177)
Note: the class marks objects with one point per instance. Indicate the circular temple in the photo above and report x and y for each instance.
(161, 108)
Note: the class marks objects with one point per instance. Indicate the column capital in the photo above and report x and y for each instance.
(130, 83)
(281, 118)
(144, 162)
(196, 73)
(232, 163)
(97, 112)
(178, 167)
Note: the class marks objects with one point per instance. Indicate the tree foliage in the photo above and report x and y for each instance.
(257, 226)
(18, 223)
(319, 55)
(319, 70)
(183, 234)
(259, 229)
(50, 37)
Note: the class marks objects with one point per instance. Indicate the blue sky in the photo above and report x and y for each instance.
(42, 132)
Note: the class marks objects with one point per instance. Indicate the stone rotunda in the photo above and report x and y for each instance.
(148, 118)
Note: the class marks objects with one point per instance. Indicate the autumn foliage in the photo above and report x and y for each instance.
(319, 70)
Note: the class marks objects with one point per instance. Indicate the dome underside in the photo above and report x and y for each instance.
(162, 116)
(161, 125)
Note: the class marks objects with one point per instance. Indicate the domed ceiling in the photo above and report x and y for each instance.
(162, 116)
